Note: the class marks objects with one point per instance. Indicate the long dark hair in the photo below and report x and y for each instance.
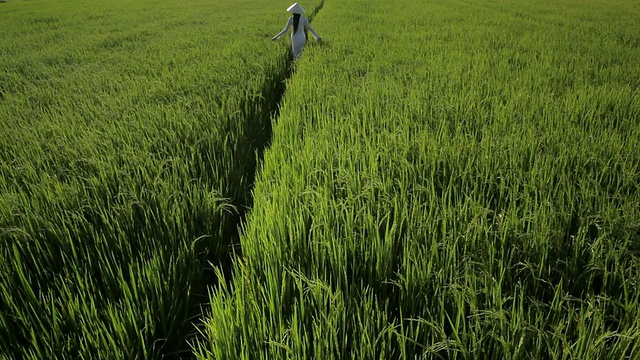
(296, 22)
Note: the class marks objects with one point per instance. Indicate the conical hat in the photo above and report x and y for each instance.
(296, 9)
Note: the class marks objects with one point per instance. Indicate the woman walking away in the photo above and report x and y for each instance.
(299, 23)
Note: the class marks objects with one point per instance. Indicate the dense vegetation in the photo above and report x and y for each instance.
(127, 152)
(451, 179)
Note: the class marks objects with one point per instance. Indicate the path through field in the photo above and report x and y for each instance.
(274, 92)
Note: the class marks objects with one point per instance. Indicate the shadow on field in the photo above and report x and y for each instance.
(258, 114)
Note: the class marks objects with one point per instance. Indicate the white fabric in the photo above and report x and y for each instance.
(298, 39)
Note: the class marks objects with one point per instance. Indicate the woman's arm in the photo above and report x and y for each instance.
(285, 29)
(308, 26)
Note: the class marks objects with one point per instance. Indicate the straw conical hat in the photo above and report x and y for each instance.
(296, 9)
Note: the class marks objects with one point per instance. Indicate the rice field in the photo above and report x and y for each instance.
(438, 180)
(130, 132)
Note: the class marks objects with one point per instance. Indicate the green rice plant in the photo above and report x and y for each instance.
(447, 180)
(127, 153)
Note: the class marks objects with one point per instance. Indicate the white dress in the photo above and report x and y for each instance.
(298, 38)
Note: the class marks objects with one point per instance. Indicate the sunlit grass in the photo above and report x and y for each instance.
(452, 179)
(455, 179)
(127, 151)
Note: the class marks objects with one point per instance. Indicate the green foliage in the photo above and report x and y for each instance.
(447, 180)
(452, 180)
(127, 154)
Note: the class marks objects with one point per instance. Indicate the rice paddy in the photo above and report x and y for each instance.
(440, 180)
